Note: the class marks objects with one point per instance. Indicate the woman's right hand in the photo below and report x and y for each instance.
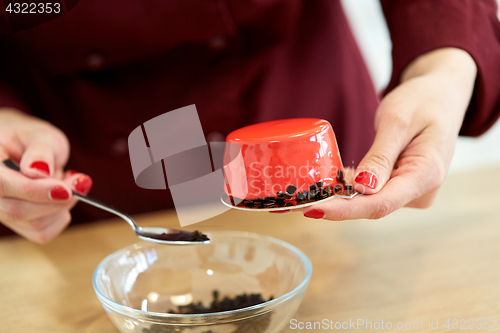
(35, 202)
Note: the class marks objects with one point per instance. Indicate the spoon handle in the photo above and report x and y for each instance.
(103, 206)
(11, 165)
(96, 203)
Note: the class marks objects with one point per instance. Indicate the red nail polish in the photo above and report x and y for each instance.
(314, 214)
(59, 193)
(41, 166)
(83, 184)
(72, 172)
(367, 178)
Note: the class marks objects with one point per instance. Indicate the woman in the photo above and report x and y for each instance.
(100, 70)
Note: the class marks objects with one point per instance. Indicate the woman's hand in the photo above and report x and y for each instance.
(35, 202)
(416, 125)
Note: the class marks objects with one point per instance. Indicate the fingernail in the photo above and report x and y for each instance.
(367, 178)
(314, 214)
(41, 166)
(59, 193)
(72, 172)
(83, 184)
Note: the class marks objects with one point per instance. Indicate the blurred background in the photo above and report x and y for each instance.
(370, 29)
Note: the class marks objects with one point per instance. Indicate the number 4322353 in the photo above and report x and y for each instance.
(33, 8)
(471, 324)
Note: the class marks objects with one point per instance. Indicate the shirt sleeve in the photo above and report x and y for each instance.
(420, 26)
(8, 95)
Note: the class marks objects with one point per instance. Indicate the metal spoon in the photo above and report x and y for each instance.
(151, 234)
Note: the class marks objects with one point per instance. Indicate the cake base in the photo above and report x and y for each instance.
(291, 204)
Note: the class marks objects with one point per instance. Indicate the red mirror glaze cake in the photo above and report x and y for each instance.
(285, 159)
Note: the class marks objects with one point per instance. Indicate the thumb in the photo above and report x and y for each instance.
(45, 153)
(376, 167)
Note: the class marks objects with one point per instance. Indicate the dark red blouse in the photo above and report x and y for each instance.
(106, 67)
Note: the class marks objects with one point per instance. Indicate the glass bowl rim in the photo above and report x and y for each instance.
(252, 310)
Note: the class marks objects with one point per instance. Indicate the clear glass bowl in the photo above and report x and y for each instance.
(139, 284)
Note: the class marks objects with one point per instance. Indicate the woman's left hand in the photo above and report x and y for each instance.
(416, 125)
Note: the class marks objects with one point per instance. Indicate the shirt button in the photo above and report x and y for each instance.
(119, 147)
(217, 42)
(95, 61)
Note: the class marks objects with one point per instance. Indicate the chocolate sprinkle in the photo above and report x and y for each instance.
(195, 236)
(255, 324)
(322, 195)
(269, 203)
(312, 193)
(288, 199)
(258, 201)
(340, 176)
(217, 305)
(199, 236)
(349, 189)
(301, 195)
(291, 189)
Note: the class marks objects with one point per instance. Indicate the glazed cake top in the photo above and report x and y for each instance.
(279, 130)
